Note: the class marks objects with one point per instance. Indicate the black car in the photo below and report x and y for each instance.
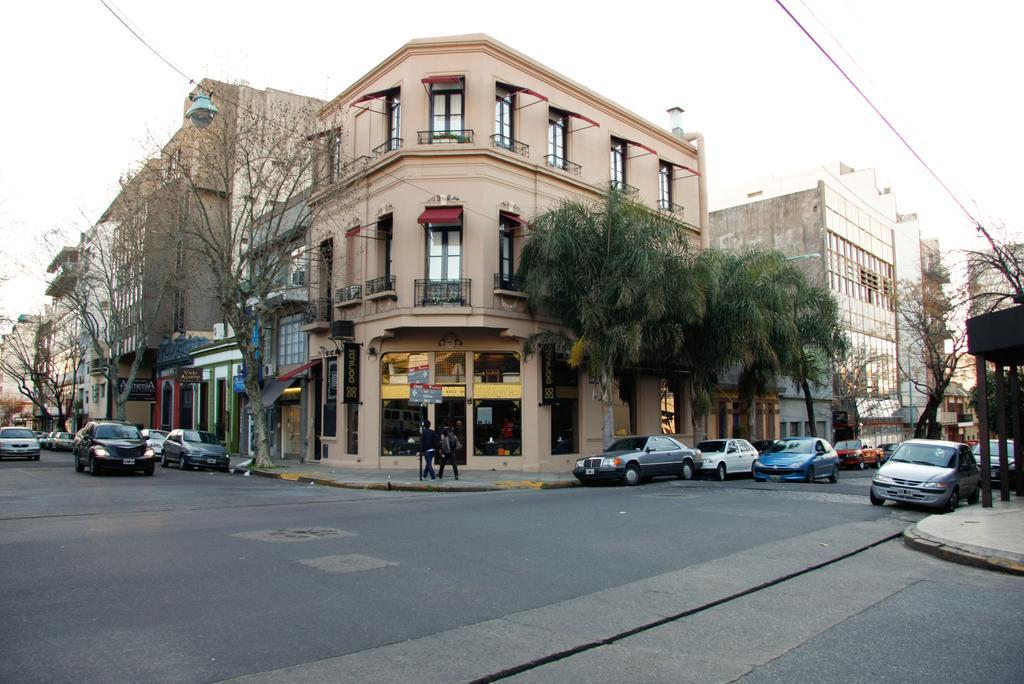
(194, 449)
(632, 459)
(112, 445)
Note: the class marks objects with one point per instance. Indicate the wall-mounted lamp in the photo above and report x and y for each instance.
(371, 351)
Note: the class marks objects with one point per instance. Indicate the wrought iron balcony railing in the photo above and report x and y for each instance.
(389, 145)
(97, 366)
(445, 137)
(382, 284)
(443, 292)
(665, 205)
(319, 310)
(623, 187)
(348, 293)
(510, 144)
(564, 164)
(503, 281)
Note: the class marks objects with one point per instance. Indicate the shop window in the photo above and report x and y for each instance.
(400, 427)
(492, 367)
(497, 427)
(622, 405)
(450, 368)
(352, 429)
(671, 407)
(565, 410)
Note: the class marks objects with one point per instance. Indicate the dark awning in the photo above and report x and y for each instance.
(514, 218)
(370, 96)
(295, 371)
(272, 389)
(440, 215)
(442, 79)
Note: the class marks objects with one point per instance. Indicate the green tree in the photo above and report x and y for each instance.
(615, 274)
(820, 342)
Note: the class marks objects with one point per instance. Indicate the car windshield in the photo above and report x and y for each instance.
(993, 447)
(848, 444)
(926, 454)
(712, 445)
(792, 446)
(197, 437)
(628, 444)
(17, 433)
(117, 432)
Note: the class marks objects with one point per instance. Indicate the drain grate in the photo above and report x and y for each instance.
(294, 535)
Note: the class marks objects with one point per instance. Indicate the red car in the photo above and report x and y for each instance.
(855, 453)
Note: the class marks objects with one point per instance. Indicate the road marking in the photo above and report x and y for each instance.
(348, 562)
(294, 535)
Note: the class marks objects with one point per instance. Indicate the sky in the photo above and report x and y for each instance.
(86, 101)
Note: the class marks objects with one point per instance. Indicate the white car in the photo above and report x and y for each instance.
(20, 442)
(155, 439)
(725, 456)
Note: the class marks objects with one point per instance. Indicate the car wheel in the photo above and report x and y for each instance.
(973, 498)
(78, 464)
(810, 474)
(686, 471)
(834, 477)
(751, 469)
(954, 501)
(720, 472)
(181, 462)
(875, 501)
(632, 475)
(92, 466)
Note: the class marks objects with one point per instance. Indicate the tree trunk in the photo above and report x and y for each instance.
(608, 409)
(261, 457)
(752, 418)
(809, 403)
(927, 425)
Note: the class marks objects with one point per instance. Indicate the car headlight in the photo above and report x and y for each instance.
(100, 451)
(614, 461)
(148, 453)
(579, 463)
(934, 485)
(757, 462)
(883, 479)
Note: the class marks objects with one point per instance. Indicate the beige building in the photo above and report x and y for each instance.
(434, 163)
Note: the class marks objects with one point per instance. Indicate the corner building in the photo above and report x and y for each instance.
(432, 166)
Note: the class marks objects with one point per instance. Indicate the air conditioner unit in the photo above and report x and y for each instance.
(342, 329)
(298, 277)
(269, 370)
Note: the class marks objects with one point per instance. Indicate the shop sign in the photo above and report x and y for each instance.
(424, 394)
(239, 384)
(188, 374)
(453, 390)
(497, 390)
(547, 377)
(350, 373)
(142, 390)
(332, 381)
(394, 391)
(419, 369)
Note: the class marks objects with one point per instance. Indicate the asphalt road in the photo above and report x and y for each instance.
(202, 577)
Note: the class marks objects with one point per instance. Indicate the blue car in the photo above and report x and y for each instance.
(797, 459)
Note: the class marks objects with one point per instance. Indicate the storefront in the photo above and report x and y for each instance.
(220, 364)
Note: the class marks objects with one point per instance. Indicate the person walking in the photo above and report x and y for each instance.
(450, 445)
(428, 447)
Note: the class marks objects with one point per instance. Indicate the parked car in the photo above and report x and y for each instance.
(993, 452)
(929, 472)
(20, 442)
(802, 459)
(155, 439)
(724, 456)
(62, 441)
(856, 453)
(112, 445)
(887, 449)
(46, 441)
(632, 459)
(194, 449)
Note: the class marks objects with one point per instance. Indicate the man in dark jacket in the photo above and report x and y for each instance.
(449, 447)
(429, 442)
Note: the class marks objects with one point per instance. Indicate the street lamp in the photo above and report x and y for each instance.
(800, 257)
(202, 111)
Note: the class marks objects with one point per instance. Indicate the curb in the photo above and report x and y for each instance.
(973, 556)
(413, 487)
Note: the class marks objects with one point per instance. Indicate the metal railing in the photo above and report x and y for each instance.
(510, 144)
(623, 187)
(389, 145)
(319, 310)
(347, 293)
(671, 207)
(443, 292)
(382, 284)
(97, 366)
(504, 281)
(557, 162)
(445, 137)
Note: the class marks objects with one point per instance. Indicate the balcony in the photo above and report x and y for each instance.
(510, 144)
(389, 146)
(443, 292)
(349, 295)
(507, 283)
(318, 315)
(556, 162)
(947, 417)
(622, 187)
(445, 137)
(667, 206)
(381, 288)
(97, 366)
(964, 419)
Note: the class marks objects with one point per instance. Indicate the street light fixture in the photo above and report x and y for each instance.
(800, 257)
(202, 111)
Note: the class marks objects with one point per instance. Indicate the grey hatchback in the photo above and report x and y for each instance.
(928, 472)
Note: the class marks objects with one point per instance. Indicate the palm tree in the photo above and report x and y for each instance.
(614, 274)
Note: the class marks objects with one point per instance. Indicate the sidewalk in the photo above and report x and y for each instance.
(990, 538)
(405, 479)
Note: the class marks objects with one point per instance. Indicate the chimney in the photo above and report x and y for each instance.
(675, 117)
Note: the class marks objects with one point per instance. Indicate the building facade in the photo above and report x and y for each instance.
(433, 165)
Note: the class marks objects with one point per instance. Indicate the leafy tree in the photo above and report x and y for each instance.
(614, 274)
(819, 344)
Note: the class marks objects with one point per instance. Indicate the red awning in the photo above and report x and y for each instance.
(295, 371)
(577, 115)
(353, 231)
(440, 215)
(642, 147)
(441, 79)
(520, 89)
(370, 96)
(685, 168)
(514, 218)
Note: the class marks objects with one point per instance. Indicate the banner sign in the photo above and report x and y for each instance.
(547, 377)
(350, 373)
(332, 381)
(424, 394)
(239, 384)
(188, 374)
(142, 390)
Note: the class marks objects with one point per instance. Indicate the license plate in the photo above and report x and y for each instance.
(211, 460)
(129, 461)
(589, 471)
(904, 492)
(775, 478)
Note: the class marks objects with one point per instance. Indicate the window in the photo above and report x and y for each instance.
(557, 137)
(384, 231)
(506, 252)
(393, 104)
(665, 186)
(504, 106)
(446, 112)
(352, 428)
(618, 163)
(291, 341)
(334, 154)
(444, 245)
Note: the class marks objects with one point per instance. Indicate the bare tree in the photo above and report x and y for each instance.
(247, 180)
(10, 409)
(42, 360)
(996, 274)
(859, 381)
